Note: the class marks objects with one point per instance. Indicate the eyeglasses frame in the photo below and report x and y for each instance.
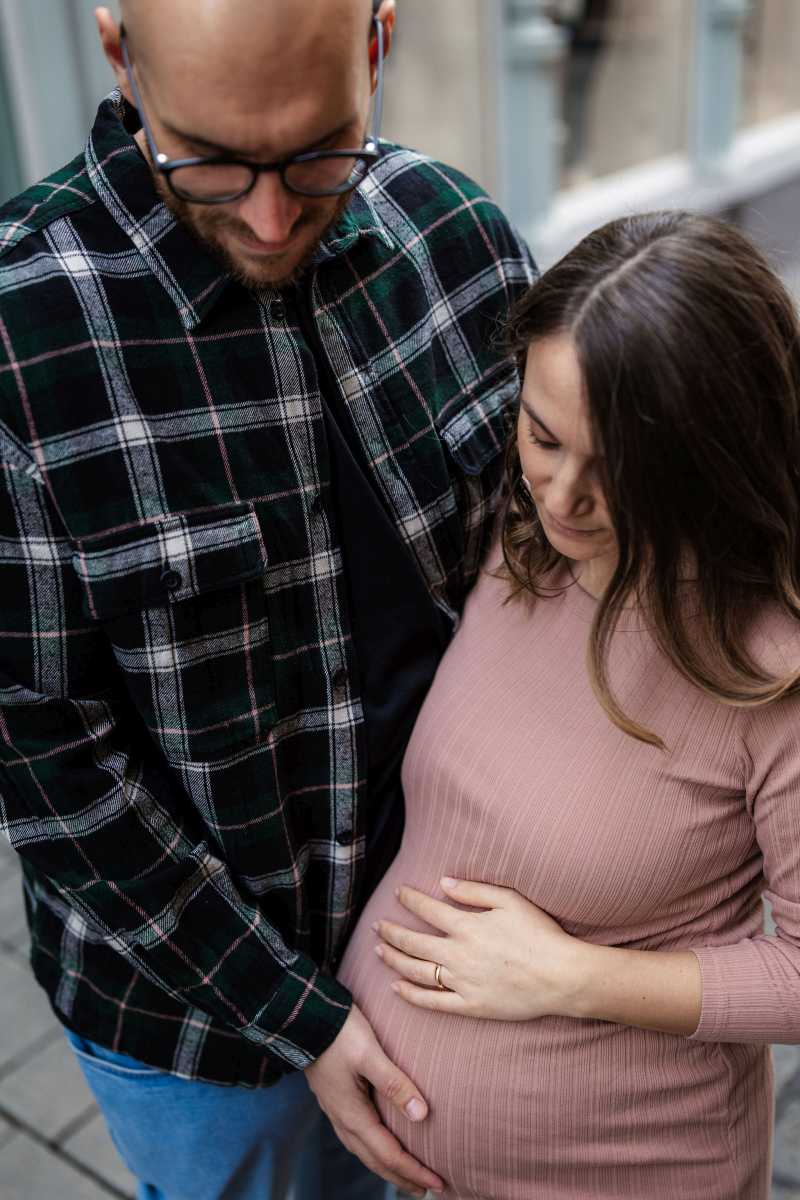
(368, 154)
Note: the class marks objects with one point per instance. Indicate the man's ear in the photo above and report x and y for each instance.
(387, 11)
(108, 31)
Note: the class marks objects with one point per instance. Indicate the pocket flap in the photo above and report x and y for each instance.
(169, 559)
(480, 430)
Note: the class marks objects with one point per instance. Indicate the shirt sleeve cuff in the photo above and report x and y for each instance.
(303, 1016)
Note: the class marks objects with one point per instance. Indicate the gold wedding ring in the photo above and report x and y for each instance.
(437, 975)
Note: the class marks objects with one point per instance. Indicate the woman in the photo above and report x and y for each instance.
(608, 762)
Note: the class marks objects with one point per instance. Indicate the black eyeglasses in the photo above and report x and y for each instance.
(222, 178)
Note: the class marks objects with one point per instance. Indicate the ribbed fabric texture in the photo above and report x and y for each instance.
(515, 776)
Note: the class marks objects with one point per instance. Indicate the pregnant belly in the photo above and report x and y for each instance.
(564, 1108)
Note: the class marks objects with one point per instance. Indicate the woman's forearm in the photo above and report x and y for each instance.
(652, 989)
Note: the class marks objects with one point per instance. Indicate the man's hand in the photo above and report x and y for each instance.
(341, 1078)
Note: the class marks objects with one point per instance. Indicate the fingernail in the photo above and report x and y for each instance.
(375, 927)
(448, 882)
(379, 951)
(397, 892)
(415, 1109)
(395, 987)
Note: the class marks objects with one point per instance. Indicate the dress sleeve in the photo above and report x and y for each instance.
(751, 989)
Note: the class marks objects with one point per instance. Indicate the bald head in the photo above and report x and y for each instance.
(230, 28)
(243, 65)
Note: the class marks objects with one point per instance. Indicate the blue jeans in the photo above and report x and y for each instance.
(187, 1140)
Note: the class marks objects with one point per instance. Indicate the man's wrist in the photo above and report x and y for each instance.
(333, 1039)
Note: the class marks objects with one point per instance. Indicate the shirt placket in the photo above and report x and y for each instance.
(308, 445)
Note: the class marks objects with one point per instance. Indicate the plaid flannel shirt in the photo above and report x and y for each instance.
(182, 745)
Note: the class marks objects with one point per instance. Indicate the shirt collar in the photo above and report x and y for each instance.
(191, 275)
(358, 220)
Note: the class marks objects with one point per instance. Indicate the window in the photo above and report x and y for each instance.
(771, 61)
(624, 83)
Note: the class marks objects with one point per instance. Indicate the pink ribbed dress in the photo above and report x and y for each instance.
(515, 776)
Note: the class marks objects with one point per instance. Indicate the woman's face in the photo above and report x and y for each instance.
(559, 463)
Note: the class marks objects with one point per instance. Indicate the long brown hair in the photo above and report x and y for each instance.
(689, 351)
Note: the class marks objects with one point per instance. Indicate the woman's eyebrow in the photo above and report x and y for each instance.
(531, 411)
(215, 148)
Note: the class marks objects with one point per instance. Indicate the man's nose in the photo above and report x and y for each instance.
(270, 211)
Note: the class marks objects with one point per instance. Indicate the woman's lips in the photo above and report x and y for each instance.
(567, 530)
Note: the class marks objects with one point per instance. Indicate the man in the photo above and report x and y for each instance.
(251, 431)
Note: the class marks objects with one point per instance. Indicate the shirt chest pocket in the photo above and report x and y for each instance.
(477, 438)
(183, 603)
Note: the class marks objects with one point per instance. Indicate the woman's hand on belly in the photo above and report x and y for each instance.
(513, 962)
(509, 962)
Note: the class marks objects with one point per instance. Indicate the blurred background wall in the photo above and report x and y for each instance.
(569, 111)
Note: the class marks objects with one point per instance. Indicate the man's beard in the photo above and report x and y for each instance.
(204, 223)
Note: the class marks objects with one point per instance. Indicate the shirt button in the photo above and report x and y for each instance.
(345, 837)
(315, 503)
(277, 310)
(171, 579)
(339, 677)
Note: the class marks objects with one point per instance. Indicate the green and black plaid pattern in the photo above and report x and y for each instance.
(182, 749)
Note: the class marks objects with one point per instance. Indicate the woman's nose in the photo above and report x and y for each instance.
(567, 494)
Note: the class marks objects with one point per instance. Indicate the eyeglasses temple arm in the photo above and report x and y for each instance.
(123, 41)
(378, 116)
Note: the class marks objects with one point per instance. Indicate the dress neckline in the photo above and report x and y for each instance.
(630, 620)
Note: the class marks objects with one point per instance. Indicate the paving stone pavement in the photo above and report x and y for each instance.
(53, 1143)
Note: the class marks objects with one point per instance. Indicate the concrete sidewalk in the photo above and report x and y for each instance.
(53, 1143)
